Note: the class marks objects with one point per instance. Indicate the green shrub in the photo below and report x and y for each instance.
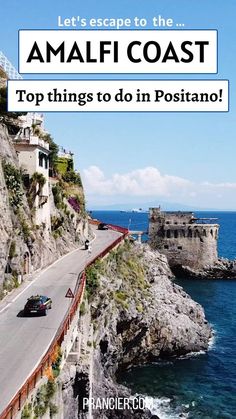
(53, 147)
(2, 294)
(8, 118)
(57, 195)
(12, 283)
(25, 230)
(13, 181)
(121, 297)
(53, 409)
(56, 234)
(56, 365)
(92, 281)
(82, 308)
(92, 277)
(12, 250)
(25, 227)
(27, 411)
(56, 222)
(72, 177)
(61, 165)
(37, 182)
(128, 266)
(50, 389)
(139, 308)
(43, 398)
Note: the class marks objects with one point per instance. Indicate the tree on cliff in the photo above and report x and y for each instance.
(8, 118)
(53, 147)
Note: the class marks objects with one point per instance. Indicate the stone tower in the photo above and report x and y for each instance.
(183, 238)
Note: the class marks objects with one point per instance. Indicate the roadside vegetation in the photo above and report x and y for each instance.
(124, 270)
(93, 273)
(14, 185)
(42, 403)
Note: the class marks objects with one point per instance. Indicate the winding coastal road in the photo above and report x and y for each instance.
(24, 340)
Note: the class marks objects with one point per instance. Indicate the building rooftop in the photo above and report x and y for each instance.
(32, 140)
(65, 153)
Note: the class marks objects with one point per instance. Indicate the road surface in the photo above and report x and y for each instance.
(24, 340)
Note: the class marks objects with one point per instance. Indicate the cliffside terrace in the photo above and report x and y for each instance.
(32, 140)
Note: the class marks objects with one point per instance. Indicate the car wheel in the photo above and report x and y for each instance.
(45, 312)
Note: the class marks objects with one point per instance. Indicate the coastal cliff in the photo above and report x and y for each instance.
(22, 241)
(137, 316)
(133, 313)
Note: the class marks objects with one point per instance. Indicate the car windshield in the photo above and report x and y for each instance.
(37, 300)
(34, 301)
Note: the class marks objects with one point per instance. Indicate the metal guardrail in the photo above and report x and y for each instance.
(23, 393)
(114, 227)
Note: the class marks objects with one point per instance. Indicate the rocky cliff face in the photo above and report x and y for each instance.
(20, 238)
(139, 315)
(7, 219)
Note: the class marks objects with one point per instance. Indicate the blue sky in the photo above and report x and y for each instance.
(138, 158)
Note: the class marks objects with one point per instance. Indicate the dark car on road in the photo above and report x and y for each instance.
(38, 304)
(102, 226)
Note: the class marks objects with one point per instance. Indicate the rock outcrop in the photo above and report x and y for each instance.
(139, 315)
(222, 269)
(156, 319)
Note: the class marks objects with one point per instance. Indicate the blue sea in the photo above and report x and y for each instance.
(202, 386)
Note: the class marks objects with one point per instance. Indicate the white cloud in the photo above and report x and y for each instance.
(147, 184)
(223, 185)
(141, 182)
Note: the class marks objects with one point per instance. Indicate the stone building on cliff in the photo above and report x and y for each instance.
(33, 154)
(32, 150)
(183, 238)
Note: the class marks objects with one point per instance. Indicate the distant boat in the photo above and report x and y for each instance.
(138, 210)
